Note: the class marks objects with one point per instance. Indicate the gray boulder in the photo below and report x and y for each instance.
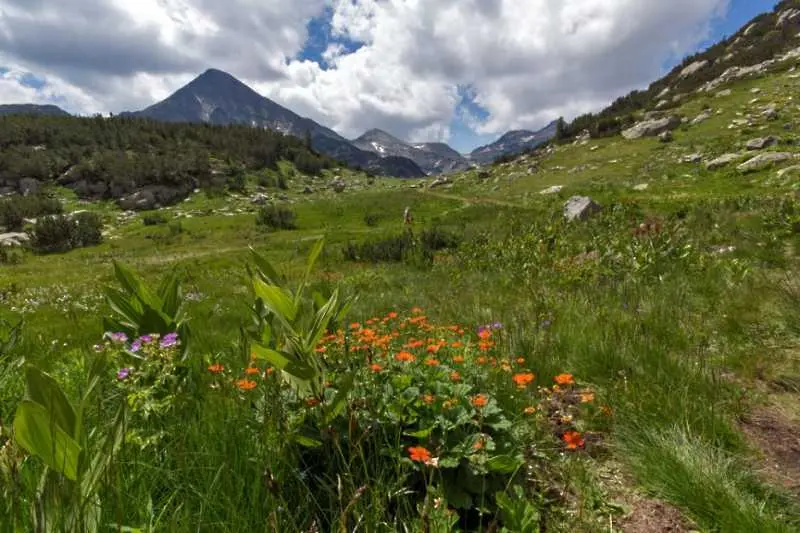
(555, 189)
(28, 186)
(580, 208)
(338, 185)
(14, 239)
(438, 182)
(651, 128)
(665, 136)
(761, 143)
(702, 117)
(722, 161)
(691, 158)
(765, 160)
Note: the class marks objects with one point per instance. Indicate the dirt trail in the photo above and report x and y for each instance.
(778, 440)
(469, 201)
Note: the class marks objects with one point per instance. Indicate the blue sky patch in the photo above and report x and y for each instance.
(319, 38)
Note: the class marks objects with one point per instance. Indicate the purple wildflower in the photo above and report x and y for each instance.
(146, 339)
(136, 346)
(497, 325)
(170, 339)
(119, 337)
(123, 373)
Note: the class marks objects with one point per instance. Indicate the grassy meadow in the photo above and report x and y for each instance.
(511, 372)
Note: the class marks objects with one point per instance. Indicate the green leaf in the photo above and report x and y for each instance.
(134, 286)
(276, 300)
(503, 464)
(128, 308)
(265, 268)
(36, 432)
(170, 294)
(321, 321)
(46, 391)
(335, 408)
(312, 257)
(307, 442)
(283, 361)
(421, 434)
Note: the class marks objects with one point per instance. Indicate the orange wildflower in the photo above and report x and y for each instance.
(321, 349)
(376, 367)
(269, 371)
(457, 344)
(455, 376)
(419, 454)
(432, 362)
(484, 334)
(480, 400)
(355, 325)
(529, 410)
(482, 360)
(392, 315)
(606, 410)
(216, 368)
(312, 402)
(433, 348)
(505, 367)
(458, 359)
(587, 397)
(564, 379)
(428, 399)
(416, 310)
(246, 384)
(405, 357)
(251, 371)
(524, 379)
(520, 360)
(573, 440)
(485, 346)
(478, 445)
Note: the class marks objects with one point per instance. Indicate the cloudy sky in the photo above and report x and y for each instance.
(460, 71)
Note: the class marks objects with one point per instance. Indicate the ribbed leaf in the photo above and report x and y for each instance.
(35, 430)
(265, 268)
(134, 286)
(46, 391)
(276, 300)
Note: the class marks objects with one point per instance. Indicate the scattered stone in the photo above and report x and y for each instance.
(308, 190)
(788, 170)
(641, 187)
(552, 190)
(259, 199)
(770, 112)
(762, 161)
(14, 239)
(724, 92)
(722, 161)
(651, 128)
(705, 115)
(338, 185)
(665, 136)
(663, 93)
(761, 143)
(719, 250)
(662, 104)
(580, 208)
(755, 90)
(691, 158)
(440, 181)
(694, 67)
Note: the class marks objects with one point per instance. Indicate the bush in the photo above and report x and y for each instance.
(276, 217)
(61, 233)
(403, 248)
(372, 219)
(154, 219)
(14, 210)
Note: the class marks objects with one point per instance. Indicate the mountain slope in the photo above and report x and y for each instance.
(513, 142)
(32, 109)
(216, 97)
(433, 158)
(766, 36)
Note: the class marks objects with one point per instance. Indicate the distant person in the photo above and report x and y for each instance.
(407, 216)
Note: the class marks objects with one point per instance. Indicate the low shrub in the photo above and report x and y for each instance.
(276, 217)
(154, 219)
(14, 210)
(405, 247)
(61, 233)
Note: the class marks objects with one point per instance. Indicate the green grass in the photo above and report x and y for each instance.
(676, 339)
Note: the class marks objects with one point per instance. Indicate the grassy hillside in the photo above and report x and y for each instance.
(500, 368)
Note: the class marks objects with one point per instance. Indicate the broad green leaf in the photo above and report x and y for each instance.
(421, 434)
(170, 294)
(36, 432)
(136, 287)
(46, 391)
(284, 362)
(340, 400)
(127, 307)
(321, 321)
(307, 442)
(265, 268)
(313, 256)
(503, 464)
(276, 300)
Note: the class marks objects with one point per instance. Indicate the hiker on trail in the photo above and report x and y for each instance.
(407, 216)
